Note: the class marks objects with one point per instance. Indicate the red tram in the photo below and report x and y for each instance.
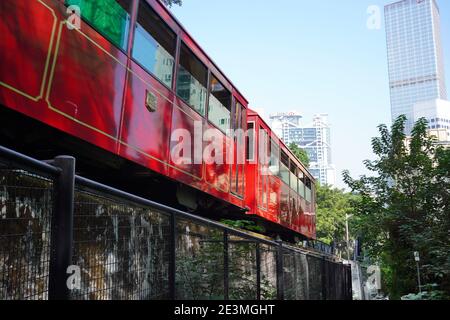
(114, 86)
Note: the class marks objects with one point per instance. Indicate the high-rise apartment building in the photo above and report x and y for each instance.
(415, 56)
(314, 138)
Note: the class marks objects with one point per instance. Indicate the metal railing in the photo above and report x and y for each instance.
(67, 237)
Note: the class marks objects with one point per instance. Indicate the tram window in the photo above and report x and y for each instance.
(274, 165)
(154, 44)
(237, 116)
(240, 116)
(308, 192)
(251, 142)
(109, 17)
(243, 118)
(192, 80)
(284, 167)
(301, 184)
(219, 110)
(263, 149)
(294, 179)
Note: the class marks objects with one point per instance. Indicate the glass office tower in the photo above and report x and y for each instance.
(415, 57)
(314, 138)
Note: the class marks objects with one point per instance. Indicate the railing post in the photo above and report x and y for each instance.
(258, 272)
(226, 267)
(349, 283)
(324, 279)
(280, 271)
(62, 229)
(172, 257)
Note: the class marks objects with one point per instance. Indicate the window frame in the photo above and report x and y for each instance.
(308, 181)
(293, 171)
(180, 44)
(249, 143)
(238, 124)
(130, 31)
(232, 102)
(263, 179)
(177, 46)
(278, 155)
(283, 165)
(301, 180)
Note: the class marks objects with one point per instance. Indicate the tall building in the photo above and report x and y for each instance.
(314, 138)
(415, 56)
(437, 112)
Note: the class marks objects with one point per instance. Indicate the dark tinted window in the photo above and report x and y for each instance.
(192, 80)
(238, 121)
(301, 184)
(284, 167)
(219, 111)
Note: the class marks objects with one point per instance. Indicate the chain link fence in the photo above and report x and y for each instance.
(66, 237)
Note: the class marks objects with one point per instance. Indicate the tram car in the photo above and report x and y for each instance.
(111, 81)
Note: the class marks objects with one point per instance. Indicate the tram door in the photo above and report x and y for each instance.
(238, 169)
(263, 168)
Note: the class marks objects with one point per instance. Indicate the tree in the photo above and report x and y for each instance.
(404, 207)
(332, 207)
(300, 153)
(170, 3)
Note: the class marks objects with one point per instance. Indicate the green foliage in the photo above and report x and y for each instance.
(301, 154)
(404, 207)
(200, 268)
(332, 207)
(429, 293)
(170, 3)
(244, 224)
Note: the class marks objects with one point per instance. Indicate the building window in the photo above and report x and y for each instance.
(154, 44)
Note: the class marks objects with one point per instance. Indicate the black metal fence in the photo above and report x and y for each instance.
(67, 237)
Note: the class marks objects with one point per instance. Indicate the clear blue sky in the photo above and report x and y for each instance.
(310, 56)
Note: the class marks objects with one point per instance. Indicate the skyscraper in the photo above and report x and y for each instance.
(415, 56)
(314, 138)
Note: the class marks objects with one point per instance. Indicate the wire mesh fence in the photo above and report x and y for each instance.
(295, 276)
(268, 258)
(121, 247)
(242, 268)
(25, 213)
(199, 262)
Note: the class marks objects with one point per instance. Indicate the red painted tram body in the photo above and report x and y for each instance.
(282, 189)
(124, 81)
